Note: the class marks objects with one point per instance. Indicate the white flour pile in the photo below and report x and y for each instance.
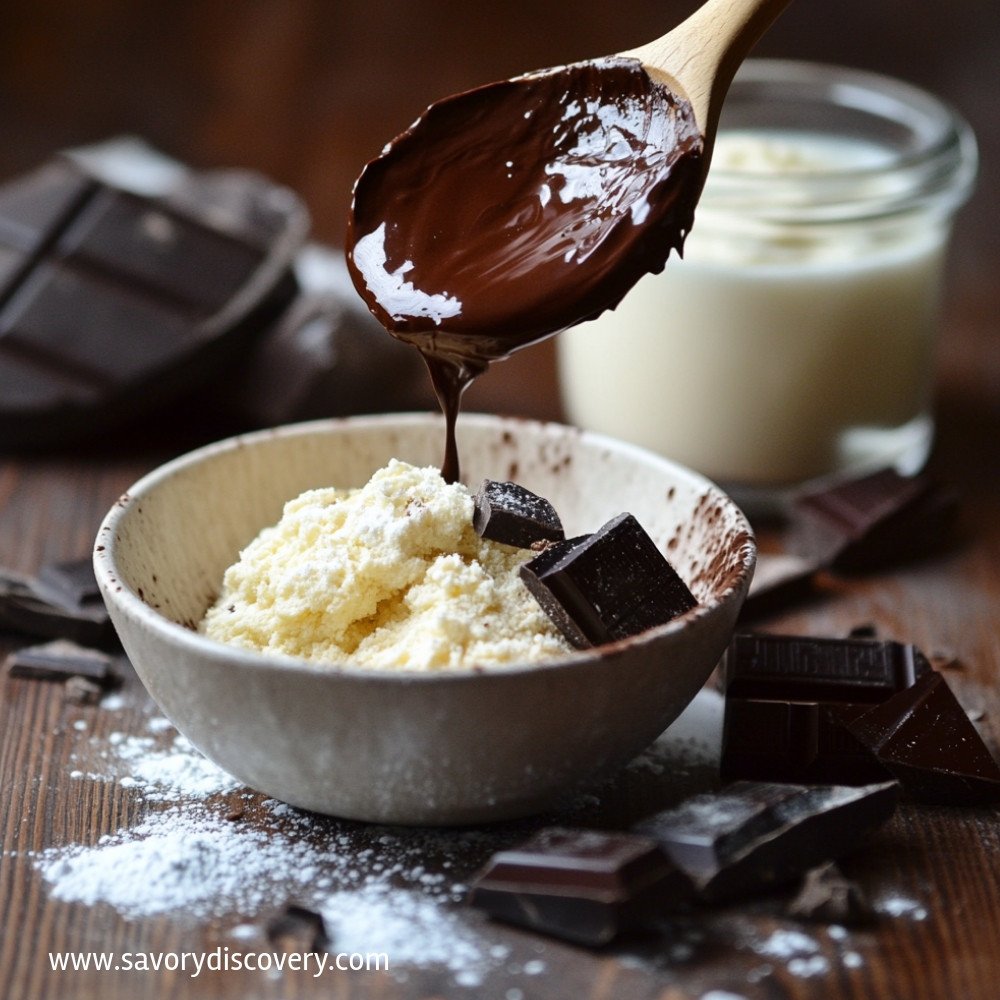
(391, 575)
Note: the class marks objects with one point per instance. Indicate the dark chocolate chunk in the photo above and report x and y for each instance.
(508, 513)
(585, 886)
(788, 698)
(795, 742)
(61, 659)
(871, 521)
(827, 896)
(112, 300)
(924, 737)
(807, 668)
(299, 929)
(778, 582)
(752, 835)
(607, 586)
(52, 609)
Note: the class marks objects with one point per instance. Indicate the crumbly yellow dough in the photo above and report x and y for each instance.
(389, 575)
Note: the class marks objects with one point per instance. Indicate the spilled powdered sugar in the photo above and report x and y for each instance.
(193, 858)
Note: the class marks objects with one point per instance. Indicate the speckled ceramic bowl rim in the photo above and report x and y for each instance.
(105, 563)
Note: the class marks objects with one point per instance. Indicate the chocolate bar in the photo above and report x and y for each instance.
(788, 698)
(585, 886)
(508, 513)
(61, 603)
(751, 834)
(870, 521)
(607, 586)
(808, 668)
(60, 660)
(924, 737)
(827, 896)
(112, 300)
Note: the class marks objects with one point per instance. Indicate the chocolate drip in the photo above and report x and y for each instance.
(450, 379)
(508, 213)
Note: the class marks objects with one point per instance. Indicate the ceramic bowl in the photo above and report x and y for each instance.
(438, 748)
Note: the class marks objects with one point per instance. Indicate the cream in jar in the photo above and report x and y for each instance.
(795, 339)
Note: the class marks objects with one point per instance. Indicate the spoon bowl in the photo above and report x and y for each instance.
(512, 211)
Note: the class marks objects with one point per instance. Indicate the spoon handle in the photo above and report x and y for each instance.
(701, 55)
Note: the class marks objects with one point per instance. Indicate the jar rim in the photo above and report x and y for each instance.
(930, 150)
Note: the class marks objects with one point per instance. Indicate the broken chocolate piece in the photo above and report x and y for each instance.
(48, 609)
(787, 698)
(871, 521)
(925, 739)
(60, 660)
(300, 929)
(585, 886)
(796, 742)
(826, 895)
(112, 300)
(508, 513)
(752, 834)
(607, 586)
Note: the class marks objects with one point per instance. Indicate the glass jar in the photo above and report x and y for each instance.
(795, 339)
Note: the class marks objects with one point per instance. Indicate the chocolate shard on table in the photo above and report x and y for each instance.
(585, 886)
(507, 512)
(607, 586)
(61, 603)
(828, 896)
(925, 739)
(113, 299)
(871, 521)
(752, 835)
(788, 698)
(60, 660)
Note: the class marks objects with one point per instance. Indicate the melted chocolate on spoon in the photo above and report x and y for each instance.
(508, 213)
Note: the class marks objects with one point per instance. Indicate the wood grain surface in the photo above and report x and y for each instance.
(295, 89)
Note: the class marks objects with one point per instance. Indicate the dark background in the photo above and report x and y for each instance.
(307, 90)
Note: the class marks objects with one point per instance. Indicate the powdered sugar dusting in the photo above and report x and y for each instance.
(195, 857)
(163, 774)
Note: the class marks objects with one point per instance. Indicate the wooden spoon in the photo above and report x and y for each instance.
(699, 58)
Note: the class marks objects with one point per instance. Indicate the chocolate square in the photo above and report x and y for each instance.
(508, 513)
(585, 886)
(607, 586)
